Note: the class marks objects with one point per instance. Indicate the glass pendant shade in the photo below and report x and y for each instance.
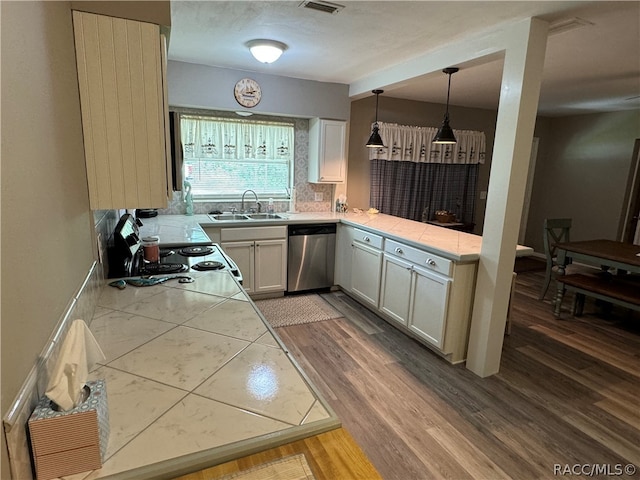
(266, 51)
(445, 135)
(375, 140)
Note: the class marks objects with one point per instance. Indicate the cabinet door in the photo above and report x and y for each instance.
(270, 266)
(395, 292)
(344, 240)
(242, 254)
(429, 299)
(121, 84)
(366, 264)
(327, 147)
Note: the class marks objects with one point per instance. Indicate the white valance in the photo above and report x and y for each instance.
(222, 138)
(413, 144)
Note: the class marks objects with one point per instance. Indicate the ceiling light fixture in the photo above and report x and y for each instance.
(445, 133)
(266, 51)
(375, 141)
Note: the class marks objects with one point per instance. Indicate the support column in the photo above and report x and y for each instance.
(522, 75)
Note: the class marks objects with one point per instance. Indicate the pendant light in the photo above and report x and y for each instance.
(375, 141)
(445, 133)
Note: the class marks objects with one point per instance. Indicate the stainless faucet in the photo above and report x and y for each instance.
(257, 202)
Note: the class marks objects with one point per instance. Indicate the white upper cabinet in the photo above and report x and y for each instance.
(121, 76)
(327, 151)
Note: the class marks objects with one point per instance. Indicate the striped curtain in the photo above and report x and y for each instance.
(413, 178)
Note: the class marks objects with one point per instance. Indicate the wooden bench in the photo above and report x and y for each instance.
(622, 290)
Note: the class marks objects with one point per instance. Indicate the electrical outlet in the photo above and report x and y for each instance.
(319, 196)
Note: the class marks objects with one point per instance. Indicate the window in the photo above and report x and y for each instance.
(223, 157)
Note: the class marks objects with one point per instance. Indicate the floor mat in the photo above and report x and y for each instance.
(294, 467)
(296, 309)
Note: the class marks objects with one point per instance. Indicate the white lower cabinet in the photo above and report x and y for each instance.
(366, 263)
(424, 294)
(344, 252)
(243, 254)
(395, 293)
(270, 270)
(429, 300)
(262, 262)
(414, 297)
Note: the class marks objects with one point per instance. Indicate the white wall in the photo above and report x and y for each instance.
(47, 240)
(201, 86)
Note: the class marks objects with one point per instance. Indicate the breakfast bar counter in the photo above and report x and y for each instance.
(452, 244)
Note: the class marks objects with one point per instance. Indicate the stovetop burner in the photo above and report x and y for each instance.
(195, 251)
(160, 268)
(207, 265)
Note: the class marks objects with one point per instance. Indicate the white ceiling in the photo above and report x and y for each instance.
(591, 68)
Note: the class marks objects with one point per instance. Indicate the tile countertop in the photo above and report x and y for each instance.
(195, 376)
(452, 244)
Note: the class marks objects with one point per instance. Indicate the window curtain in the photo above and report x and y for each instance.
(413, 178)
(221, 138)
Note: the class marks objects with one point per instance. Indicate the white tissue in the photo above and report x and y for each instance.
(79, 353)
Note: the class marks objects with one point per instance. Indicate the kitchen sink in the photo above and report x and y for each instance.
(229, 216)
(263, 216)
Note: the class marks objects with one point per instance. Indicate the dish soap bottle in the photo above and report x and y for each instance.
(188, 198)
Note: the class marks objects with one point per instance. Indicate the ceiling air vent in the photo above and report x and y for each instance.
(322, 6)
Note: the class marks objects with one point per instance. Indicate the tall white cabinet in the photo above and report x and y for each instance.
(121, 75)
(327, 151)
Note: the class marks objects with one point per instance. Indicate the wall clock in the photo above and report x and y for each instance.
(247, 92)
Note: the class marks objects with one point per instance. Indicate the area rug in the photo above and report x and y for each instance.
(294, 467)
(296, 309)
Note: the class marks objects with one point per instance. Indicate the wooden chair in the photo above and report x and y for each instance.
(556, 230)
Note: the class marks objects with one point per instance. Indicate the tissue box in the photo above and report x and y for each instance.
(64, 443)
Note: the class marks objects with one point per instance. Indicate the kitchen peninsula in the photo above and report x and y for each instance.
(417, 276)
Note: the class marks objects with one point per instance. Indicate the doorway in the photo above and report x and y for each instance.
(628, 230)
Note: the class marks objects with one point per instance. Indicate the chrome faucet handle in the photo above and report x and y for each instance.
(233, 209)
(259, 205)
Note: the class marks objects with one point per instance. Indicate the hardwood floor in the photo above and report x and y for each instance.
(567, 392)
(331, 456)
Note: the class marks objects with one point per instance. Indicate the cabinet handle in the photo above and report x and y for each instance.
(399, 250)
(431, 262)
(366, 239)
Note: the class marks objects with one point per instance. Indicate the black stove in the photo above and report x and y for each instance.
(126, 256)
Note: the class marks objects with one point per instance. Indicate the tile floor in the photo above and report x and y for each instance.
(191, 369)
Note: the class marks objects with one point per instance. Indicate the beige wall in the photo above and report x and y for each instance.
(581, 172)
(47, 240)
(408, 112)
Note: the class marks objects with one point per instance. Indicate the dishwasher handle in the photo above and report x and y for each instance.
(314, 229)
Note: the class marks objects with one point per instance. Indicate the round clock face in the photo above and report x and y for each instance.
(247, 92)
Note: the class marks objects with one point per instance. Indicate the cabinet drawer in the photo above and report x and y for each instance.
(419, 257)
(253, 233)
(367, 238)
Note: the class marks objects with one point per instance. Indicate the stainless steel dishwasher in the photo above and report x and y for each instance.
(312, 250)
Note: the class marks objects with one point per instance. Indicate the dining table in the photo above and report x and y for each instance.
(606, 254)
